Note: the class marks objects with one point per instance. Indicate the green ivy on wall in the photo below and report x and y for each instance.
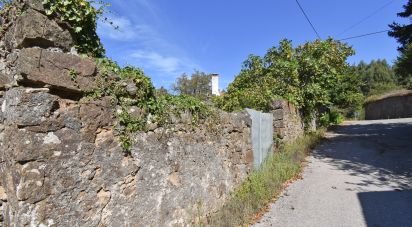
(81, 17)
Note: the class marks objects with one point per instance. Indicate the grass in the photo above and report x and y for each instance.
(264, 184)
(385, 93)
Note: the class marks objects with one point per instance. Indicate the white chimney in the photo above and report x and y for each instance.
(215, 84)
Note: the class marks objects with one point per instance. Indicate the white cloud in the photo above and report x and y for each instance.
(158, 62)
(144, 44)
(122, 29)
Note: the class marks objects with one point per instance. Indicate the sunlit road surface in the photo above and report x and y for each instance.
(361, 175)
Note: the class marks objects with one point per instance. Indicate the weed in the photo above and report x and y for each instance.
(265, 183)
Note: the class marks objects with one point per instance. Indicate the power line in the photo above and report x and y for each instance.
(307, 18)
(367, 34)
(365, 18)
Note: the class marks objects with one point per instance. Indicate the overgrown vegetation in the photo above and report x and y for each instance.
(264, 184)
(81, 18)
(138, 106)
(314, 77)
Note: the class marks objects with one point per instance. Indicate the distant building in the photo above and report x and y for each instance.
(215, 84)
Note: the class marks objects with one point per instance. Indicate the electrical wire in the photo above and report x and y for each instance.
(367, 34)
(366, 18)
(307, 18)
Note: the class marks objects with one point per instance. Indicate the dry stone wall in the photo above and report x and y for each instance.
(60, 159)
(395, 106)
(61, 162)
(287, 121)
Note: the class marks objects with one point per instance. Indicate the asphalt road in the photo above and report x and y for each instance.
(361, 175)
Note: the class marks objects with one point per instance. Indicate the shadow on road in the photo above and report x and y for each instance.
(381, 156)
(387, 208)
(382, 152)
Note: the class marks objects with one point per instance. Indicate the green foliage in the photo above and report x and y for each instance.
(312, 76)
(197, 85)
(377, 76)
(81, 16)
(161, 91)
(332, 117)
(403, 34)
(264, 184)
(141, 108)
(404, 67)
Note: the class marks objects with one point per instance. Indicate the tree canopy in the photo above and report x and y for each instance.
(197, 85)
(403, 34)
(377, 76)
(311, 76)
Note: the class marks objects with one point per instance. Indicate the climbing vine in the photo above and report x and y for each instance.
(137, 106)
(81, 18)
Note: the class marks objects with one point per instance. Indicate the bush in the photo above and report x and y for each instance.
(311, 76)
(336, 117)
(333, 117)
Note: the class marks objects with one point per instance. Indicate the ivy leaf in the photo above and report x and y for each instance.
(78, 29)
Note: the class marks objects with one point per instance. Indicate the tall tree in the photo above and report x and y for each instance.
(377, 76)
(313, 76)
(161, 91)
(403, 34)
(197, 85)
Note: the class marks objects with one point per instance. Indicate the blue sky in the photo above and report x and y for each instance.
(167, 38)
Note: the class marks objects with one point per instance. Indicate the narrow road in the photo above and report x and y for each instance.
(360, 176)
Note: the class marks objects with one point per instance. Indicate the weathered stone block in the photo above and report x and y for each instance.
(34, 29)
(279, 124)
(28, 107)
(278, 114)
(94, 116)
(4, 81)
(278, 104)
(32, 184)
(35, 4)
(65, 72)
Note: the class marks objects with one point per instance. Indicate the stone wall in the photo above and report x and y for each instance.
(62, 165)
(287, 121)
(60, 160)
(397, 105)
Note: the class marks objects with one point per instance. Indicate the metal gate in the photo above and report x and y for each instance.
(262, 136)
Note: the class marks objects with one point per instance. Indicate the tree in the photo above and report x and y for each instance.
(161, 91)
(404, 67)
(377, 77)
(312, 76)
(197, 85)
(403, 34)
